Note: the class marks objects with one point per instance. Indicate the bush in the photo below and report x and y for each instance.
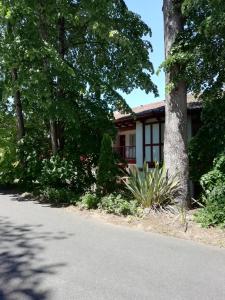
(214, 177)
(89, 201)
(22, 163)
(9, 168)
(117, 205)
(107, 170)
(213, 196)
(59, 172)
(60, 195)
(209, 141)
(30, 158)
(213, 214)
(152, 188)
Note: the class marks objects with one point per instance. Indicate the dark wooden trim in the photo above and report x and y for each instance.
(126, 128)
(142, 117)
(153, 144)
(155, 122)
(143, 130)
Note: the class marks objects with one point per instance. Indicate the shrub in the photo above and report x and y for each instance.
(209, 141)
(9, 168)
(214, 177)
(152, 188)
(60, 195)
(213, 214)
(57, 172)
(117, 205)
(213, 196)
(107, 170)
(89, 201)
(21, 163)
(30, 157)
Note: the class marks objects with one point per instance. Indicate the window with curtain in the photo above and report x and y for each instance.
(153, 142)
(131, 149)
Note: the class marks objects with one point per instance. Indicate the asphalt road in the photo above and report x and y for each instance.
(50, 253)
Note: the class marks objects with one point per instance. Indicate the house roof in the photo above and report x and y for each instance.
(155, 107)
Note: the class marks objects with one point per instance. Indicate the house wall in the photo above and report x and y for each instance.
(139, 138)
(127, 140)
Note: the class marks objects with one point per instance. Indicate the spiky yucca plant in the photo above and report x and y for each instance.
(152, 187)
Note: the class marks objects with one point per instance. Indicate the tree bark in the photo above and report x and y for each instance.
(175, 141)
(53, 134)
(18, 107)
(61, 94)
(43, 27)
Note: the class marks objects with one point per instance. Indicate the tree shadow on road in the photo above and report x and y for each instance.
(22, 274)
(20, 196)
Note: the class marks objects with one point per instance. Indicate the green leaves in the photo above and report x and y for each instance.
(152, 187)
(72, 59)
(209, 141)
(115, 204)
(200, 51)
(107, 169)
(201, 46)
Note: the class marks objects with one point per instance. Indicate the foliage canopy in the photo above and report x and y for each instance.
(66, 62)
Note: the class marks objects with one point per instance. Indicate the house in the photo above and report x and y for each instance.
(141, 137)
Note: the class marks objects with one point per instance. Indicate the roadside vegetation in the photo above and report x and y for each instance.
(61, 69)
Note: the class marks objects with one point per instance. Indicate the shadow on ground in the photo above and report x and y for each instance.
(21, 272)
(17, 195)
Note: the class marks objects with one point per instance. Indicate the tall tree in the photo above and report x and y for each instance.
(73, 58)
(9, 32)
(18, 105)
(44, 11)
(175, 144)
(201, 47)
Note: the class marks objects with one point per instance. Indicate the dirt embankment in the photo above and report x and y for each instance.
(163, 223)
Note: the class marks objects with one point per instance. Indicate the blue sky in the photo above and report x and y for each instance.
(151, 13)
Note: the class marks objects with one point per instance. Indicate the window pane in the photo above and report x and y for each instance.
(155, 130)
(132, 139)
(127, 152)
(130, 152)
(147, 153)
(155, 153)
(147, 134)
(133, 152)
(162, 132)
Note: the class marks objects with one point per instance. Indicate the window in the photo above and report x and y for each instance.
(131, 149)
(132, 139)
(153, 142)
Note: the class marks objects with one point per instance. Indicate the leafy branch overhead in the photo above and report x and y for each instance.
(200, 48)
(102, 39)
(63, 65)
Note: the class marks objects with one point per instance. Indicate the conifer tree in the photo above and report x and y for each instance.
(107, 170)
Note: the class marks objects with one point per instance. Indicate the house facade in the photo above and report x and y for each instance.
(141, 136)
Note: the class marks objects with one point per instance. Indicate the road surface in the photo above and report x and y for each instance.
(52, 254)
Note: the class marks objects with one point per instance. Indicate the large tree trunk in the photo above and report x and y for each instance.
(61, 93)
(18, 107)
(53, 134)
(175, 143)
(43, 27)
